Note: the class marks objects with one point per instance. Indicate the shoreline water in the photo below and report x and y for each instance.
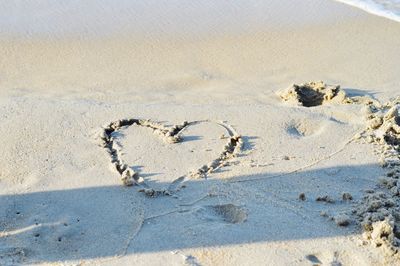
(388, 9)
(157, 18)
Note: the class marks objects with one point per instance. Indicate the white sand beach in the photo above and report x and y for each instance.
(90, 94)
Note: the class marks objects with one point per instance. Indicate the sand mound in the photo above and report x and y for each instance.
(312, 94)
(381, 234)
(379, 211)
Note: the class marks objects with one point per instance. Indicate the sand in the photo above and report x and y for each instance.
(216, 168)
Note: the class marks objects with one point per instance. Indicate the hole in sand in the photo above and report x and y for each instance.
(312, 94)
(309, 97)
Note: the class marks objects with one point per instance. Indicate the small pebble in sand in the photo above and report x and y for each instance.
(375, 123)
(382, 162)
(387, 182)
(325, 199)
(313, 259)
(342, 220)
(369, 139)
(347, 196)
(302, 196)
(357, 136)
(391, 174)
(393, 112)
(323, 214)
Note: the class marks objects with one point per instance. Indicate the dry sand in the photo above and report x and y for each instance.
(297, 192)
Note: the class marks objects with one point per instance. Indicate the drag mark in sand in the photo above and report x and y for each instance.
(170, 135)
(302, 168)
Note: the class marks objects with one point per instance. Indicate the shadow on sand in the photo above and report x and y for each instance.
(98, 222)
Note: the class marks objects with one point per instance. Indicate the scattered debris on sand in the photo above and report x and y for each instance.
(155, 193)
(323, 214)
(312, 94)
(342, 220)
(302, 196)
(347, 196)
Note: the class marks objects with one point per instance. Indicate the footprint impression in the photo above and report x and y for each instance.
(161, 158)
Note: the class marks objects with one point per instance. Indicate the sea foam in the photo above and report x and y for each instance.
(385, 8)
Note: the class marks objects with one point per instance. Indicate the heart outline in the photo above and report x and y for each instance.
(170, 135)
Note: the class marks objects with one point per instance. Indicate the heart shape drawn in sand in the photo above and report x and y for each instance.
(170, 135)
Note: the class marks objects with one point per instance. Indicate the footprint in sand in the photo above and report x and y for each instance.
(227, 213)
(324, 258)
(304, 127)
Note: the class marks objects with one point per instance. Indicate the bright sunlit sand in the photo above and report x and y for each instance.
(199, 133)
